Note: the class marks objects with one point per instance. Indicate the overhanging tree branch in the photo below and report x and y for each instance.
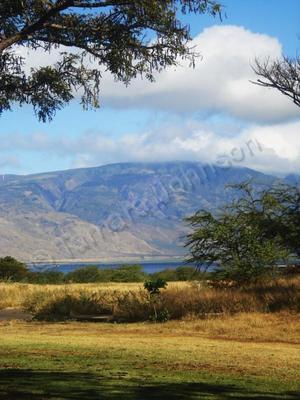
(126, 38)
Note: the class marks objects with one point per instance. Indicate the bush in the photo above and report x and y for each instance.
(187, 273)
(71, 306)
(11, 269)
(84, 275)
(161, 316)
(166, 275)
(128, 273)
(124, 273)
(46, 277)
(182, 273)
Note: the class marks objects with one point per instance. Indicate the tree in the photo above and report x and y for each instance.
(11, 269)
(284, 216)
(283, 75)
(126, 38)
(153, 287)
(244, 240)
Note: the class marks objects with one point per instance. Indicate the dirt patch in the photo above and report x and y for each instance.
(11, 314)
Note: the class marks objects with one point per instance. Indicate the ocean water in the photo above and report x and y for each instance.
(148, 267)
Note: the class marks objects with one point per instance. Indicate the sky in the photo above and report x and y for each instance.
(211, 113)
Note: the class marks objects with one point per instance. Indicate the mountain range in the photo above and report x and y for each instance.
(118, 212)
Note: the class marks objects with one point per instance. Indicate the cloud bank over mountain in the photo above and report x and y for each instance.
(269, 148)
(196, 103)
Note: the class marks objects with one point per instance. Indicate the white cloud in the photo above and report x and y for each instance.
(270, 148)
(219, 85)
(220, 82)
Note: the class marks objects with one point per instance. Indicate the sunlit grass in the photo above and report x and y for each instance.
(198, 359)
(222, 355)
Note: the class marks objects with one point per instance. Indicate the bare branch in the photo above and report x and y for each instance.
(283, 75)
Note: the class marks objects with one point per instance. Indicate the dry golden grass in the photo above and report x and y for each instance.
(130, 302)
(15, 294)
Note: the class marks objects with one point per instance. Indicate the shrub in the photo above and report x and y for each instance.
(71, 306)
(11, 269)
(153, 287)
(187, 273)
(84, 275)
(128, 273)
(161, 316)
(46, 277)
(182, 273)
(166, 274)
(124, 273)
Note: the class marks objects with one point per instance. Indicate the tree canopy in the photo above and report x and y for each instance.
(249, 236)
(11, 269)
(126, 38)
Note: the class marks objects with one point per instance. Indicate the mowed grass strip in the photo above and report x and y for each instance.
(197, 359)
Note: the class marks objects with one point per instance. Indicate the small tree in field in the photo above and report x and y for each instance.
(153, 288)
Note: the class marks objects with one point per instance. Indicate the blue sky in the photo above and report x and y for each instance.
(208, 114)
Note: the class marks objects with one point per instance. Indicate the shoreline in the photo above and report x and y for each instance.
(108, 261)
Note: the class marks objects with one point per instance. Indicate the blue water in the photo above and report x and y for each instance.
(148, 267)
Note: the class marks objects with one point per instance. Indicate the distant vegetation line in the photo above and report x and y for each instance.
(15, 271)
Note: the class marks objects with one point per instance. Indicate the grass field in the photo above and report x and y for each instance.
(246, 356)
(212, 349)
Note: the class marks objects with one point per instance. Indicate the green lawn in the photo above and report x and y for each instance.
(141, 362)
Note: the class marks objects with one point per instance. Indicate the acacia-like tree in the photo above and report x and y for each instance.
(125, 37)
(249, 236)
(282, 74)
